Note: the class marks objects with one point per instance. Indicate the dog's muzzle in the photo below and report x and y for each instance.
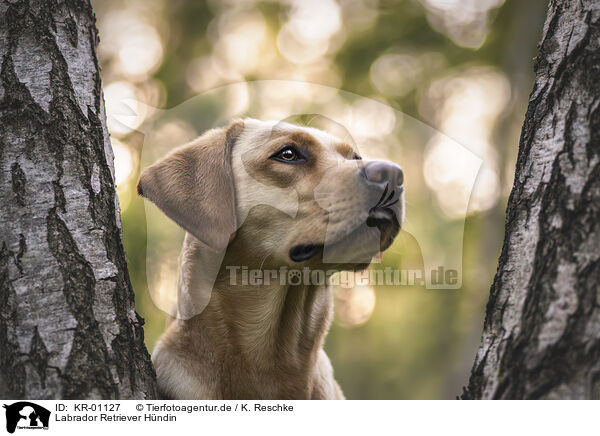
(384, 181)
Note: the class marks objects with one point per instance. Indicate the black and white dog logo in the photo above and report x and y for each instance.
(26, 415)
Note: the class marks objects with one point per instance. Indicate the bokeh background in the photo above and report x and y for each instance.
(465, 68)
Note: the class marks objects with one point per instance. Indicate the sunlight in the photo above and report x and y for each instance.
(239, 40)
(125, 161)
(354, 306)
(465, 22)
(136, 44)
(370, 118)
(471, 102)
(306, 36)
(124, 111)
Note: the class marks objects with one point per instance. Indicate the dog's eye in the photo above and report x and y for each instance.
(289, 154)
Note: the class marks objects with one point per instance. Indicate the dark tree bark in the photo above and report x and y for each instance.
(541, 335)
(68, 327)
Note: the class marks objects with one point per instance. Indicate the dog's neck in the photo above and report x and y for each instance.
(270, 324)
(258, 328)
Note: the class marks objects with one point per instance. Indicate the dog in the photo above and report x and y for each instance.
(265, 194)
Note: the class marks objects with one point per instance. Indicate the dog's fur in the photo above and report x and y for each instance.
(258, 342)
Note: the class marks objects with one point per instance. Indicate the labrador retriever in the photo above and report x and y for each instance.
(265, 195)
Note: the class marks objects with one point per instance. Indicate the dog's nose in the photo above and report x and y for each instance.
(383, 173)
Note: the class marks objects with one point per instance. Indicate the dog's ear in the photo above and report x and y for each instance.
(193, 185)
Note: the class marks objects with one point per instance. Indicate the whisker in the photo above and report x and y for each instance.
(262, 262)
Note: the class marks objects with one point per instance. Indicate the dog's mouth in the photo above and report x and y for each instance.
(384, 219)
(303, 252)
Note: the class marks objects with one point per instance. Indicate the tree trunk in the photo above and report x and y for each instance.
(68, 327)
(541, 336)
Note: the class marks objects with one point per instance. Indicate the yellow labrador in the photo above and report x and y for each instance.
(260, 196)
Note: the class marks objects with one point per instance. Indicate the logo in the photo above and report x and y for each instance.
(26, 415)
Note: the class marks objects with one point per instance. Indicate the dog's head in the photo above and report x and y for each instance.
(282, 193)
